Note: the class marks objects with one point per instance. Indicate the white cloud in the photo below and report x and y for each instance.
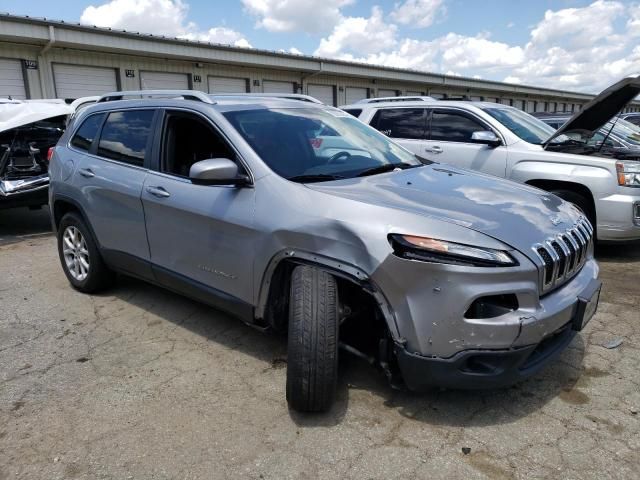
(159, 17)
(418, 13)
(584, 49)
(296, 15)
(359, 35)
(295, 51)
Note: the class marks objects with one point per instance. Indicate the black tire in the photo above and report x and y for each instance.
(580, 201)
(312, 360)
(99, 276)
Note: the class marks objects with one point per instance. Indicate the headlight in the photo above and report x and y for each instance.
(628, 173)
(441, 251)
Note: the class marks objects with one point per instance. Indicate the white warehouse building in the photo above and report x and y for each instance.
(41, 58)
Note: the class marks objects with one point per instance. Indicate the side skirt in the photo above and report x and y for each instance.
(178, 283)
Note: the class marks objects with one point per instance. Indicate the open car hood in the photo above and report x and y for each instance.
(16, 114)
(595, 114)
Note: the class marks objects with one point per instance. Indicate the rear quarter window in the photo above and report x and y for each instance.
(83, 139)
(125, 136)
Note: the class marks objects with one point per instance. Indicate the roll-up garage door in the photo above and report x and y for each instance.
(227, 85)
(164, 81)
(413, 93)
(11, 79)
(387, 93)
(75, 81)
(324, 93)
(274, 86)
(355, 94)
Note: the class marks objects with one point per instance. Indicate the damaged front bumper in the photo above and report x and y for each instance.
(439, 345)
(30, 191)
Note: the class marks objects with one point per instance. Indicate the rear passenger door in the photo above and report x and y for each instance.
(407, 126)
(450, 132)
(111, 167)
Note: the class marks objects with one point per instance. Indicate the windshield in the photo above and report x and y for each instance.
(626, 131)
(525, 126)
(312, 144)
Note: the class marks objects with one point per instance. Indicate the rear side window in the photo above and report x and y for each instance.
(353, 111)
(401, 122)
(87, 132)
(453, 127)
(125, 135)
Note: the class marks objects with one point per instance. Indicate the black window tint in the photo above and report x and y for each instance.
(354, 111)
(124, 136)
(87, 132)
(401, 122)
(453, 127)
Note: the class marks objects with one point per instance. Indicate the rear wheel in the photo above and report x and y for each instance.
(312, 365)
(80, 257)
(580, 201)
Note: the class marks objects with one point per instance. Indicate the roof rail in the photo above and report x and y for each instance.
(286, 96)
(186, 94)
(407, 98)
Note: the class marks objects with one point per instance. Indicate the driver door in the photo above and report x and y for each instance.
(449, 141)
(200, 236)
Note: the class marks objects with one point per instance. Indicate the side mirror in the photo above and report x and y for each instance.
(487, 137)
(217, 171)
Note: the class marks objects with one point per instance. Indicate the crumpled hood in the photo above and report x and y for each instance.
(515, 214)
(595, 114)
(16, 114)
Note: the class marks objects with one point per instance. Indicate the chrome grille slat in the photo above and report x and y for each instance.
(564, 255)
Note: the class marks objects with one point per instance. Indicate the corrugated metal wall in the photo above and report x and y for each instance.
(41, 82)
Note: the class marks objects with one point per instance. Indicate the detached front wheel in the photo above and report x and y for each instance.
(312, 365)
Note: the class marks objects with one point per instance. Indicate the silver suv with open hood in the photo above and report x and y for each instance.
(296, 216)
(506, 142)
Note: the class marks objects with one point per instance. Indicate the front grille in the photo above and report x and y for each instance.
(564, 255)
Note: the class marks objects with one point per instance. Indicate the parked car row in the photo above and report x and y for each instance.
(506, 142)
(295, 216)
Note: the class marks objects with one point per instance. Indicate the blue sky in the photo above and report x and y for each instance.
(576, 44)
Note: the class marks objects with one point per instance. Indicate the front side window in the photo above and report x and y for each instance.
(125, 135)
(453, 127)
(87, 132)
(313, 144)
(524, 126)
(409, 123)
(187, 140)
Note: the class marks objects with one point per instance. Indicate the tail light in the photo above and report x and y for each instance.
(50, 153)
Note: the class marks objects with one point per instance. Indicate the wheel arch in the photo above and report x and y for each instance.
(274, 286)
(61, 206)
(579, 188)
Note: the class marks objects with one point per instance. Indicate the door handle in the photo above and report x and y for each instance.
(434, 149)
(86, 173)
(158, 192)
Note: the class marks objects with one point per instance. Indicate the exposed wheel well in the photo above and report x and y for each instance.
(550, 185)
(362, 322)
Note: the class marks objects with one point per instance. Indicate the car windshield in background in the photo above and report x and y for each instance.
(627, 131)
(314, 145)
(525, 126)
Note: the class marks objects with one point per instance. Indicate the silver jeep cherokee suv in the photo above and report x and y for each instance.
(296, 216)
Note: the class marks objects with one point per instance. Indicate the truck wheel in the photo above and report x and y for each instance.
(312, 364)
(580, 201)
(80, 257)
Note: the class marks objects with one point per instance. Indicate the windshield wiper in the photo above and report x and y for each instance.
(315, 177)
(385, 168)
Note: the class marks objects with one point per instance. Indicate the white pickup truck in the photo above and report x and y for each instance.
(504, 141)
